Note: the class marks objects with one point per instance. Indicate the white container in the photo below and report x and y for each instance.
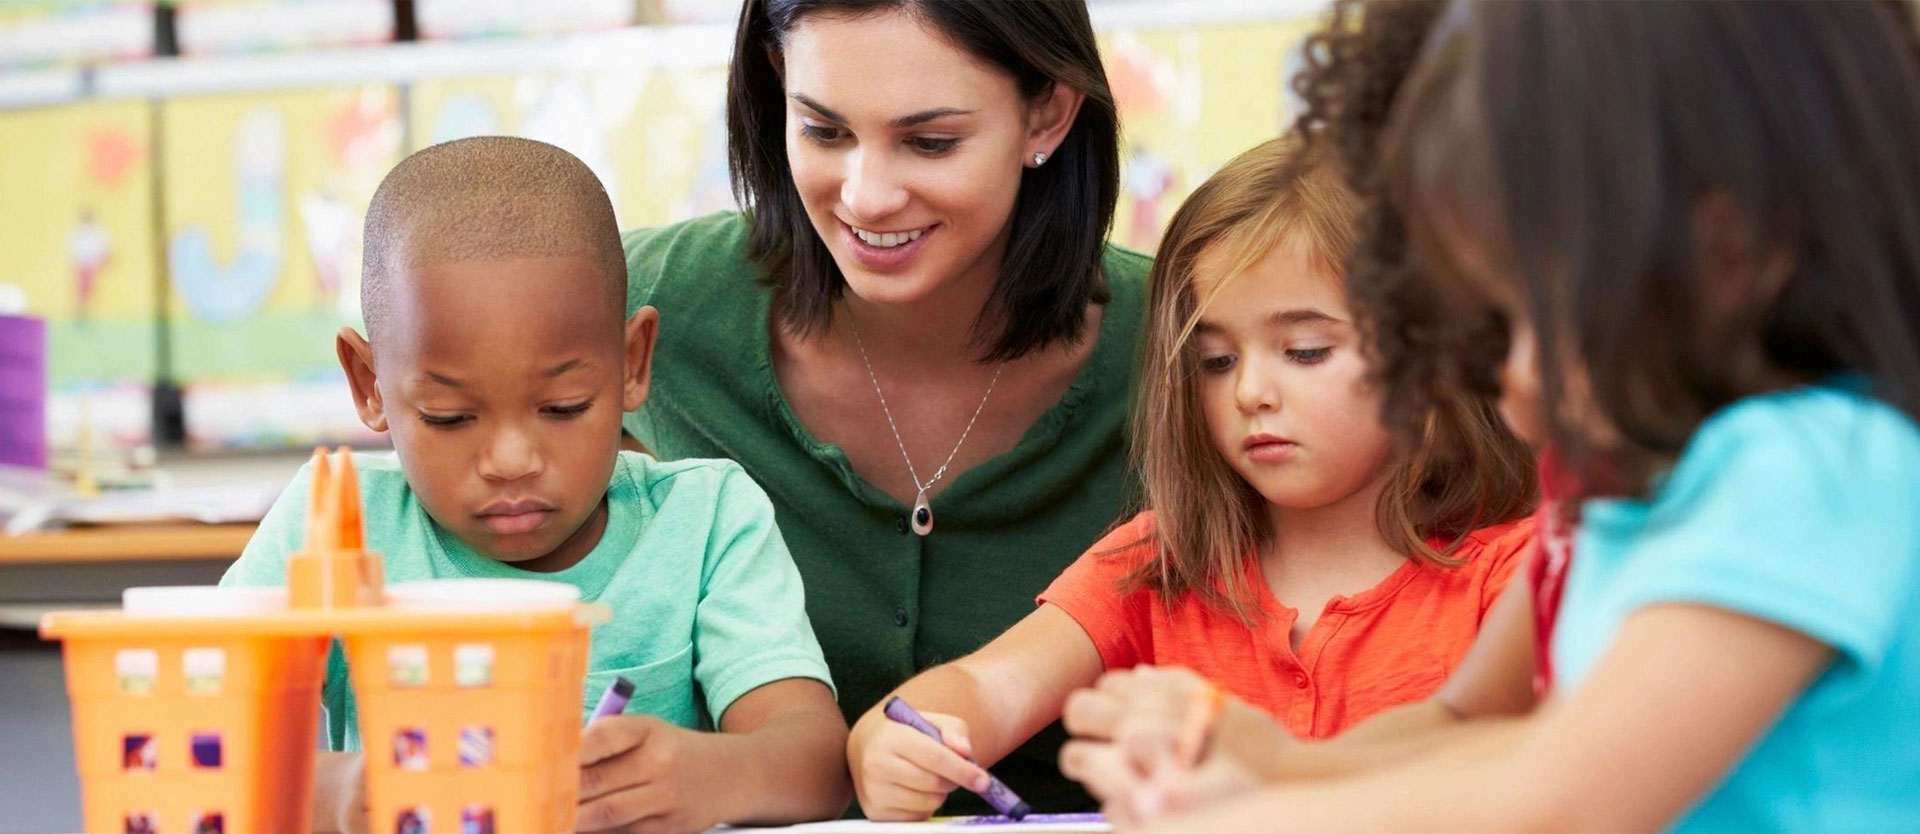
(201, 601)
(482, 595)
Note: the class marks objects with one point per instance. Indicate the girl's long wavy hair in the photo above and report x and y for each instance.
(1460, 470)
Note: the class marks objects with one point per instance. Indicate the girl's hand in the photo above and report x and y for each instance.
(901, 774)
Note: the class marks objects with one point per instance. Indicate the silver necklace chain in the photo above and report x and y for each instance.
(911, 471)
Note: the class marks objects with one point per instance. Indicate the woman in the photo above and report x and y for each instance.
(915, 338)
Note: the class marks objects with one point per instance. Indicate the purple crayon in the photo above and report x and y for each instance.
(614, 700)
(998, 794)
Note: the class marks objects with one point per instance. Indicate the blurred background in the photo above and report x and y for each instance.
(187, 228)
(181, 193)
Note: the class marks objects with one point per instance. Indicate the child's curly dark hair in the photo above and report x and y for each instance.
(1421, 344)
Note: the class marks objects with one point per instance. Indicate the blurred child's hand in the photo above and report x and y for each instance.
(641, 774)
(1147, 742)
(1158, 717)
(340, 794)
(901, 774)
(1130, 797)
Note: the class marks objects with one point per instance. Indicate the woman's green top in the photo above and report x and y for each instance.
(886, 603)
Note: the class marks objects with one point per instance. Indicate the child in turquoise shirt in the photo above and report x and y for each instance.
(496, 358)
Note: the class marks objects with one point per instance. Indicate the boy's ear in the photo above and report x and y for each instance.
(641, 331)
(356, 358)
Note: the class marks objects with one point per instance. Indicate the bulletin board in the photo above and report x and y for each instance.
(235, 220)
(77, 227)
(1190, 99)
(262, 205)
(656, 137)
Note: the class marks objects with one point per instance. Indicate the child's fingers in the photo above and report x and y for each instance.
(625, 768)
(941, 760)
(608, 776)
(1176, 790)
(1103, 769)
(896, 770)
(1149, 744)
(1091, 714)
(620, 810)
(953, 733)
(892, 802)
(946, 764)
(904, 775)
(613, 735)
(1119, 681)
(357, 819)
(350, 794)
(1204, 705)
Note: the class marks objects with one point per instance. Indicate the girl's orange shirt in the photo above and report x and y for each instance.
(1392, 644)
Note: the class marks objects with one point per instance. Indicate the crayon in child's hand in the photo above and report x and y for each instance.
(998, 794)
(614, 701)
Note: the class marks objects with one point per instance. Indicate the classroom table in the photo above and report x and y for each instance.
(85, 567)
(1048, 824)
(1051, 823)
(936, 827)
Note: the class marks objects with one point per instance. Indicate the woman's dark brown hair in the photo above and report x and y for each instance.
(1052, 268)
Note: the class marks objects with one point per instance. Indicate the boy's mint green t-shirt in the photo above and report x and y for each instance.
(1800, 508)
(707, 604)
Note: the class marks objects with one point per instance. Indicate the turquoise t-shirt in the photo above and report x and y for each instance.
(1801, 508)
(706, 602)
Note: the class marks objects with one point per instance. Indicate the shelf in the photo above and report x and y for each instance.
(638, 48)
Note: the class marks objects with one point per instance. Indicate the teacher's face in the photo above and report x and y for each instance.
(907, 153)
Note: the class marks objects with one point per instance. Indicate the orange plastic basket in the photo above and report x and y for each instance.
(178, 728)
(472, 726)
(205, 723)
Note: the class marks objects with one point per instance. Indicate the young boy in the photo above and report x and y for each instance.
(496, 358)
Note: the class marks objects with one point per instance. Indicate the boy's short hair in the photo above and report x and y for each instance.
(488, 197)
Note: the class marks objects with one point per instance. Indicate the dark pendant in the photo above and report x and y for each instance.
(922, 515)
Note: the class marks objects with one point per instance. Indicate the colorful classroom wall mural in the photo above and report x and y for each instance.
(252, 210)
(1190, 99)
(78, 235)
(655, 137)
(262, 205)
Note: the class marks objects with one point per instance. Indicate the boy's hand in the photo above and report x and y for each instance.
(641, 774)
(340, 794)
(901, 774)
